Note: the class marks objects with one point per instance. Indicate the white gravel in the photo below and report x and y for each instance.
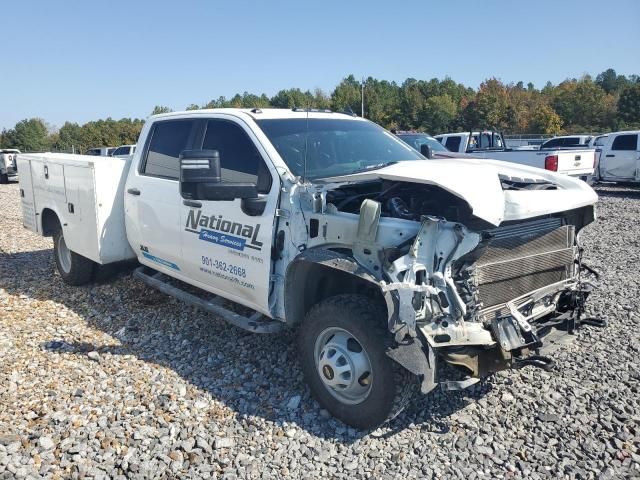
(117, 381)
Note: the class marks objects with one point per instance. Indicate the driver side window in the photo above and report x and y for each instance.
(240, 160)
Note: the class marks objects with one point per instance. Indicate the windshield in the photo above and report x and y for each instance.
(416, 141)
(334, 146)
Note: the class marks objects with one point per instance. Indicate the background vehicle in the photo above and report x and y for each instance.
(124, 151)
(388, 264)
(100, 151)
(568, 141)
(8, 166)
(417, 139)
(488, 144)
(619, 157)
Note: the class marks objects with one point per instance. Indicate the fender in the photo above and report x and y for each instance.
(338, 262)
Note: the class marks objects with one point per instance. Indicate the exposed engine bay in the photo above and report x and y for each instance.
(479, 296)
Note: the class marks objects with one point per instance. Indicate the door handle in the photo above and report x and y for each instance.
(192, 203)
(610, 155)
(133, 191)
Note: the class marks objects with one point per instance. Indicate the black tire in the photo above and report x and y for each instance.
(80, 269)
(4, 178)
(392, 387)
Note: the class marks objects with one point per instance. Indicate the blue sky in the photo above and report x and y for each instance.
(84, 60)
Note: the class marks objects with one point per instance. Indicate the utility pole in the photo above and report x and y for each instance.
(362, 99)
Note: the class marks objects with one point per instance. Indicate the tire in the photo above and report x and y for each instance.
(389, 387)
(4, 178)
(73, 268)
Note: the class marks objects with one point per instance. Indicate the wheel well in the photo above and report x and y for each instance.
(309, 283)
(50, 222)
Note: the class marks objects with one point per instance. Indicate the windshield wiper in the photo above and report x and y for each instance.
(374, 167)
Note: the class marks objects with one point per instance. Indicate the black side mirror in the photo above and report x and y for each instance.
(201, 178)
(426, 150)
(199, 166)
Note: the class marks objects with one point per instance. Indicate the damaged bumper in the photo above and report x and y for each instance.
(485, 301)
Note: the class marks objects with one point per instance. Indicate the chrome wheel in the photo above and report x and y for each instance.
(64, 255)
(343, 365)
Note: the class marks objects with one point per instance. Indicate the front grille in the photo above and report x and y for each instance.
(522, 258)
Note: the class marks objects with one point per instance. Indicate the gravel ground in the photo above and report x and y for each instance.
(117, 381)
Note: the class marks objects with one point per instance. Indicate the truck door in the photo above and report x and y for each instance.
(226, 245)
(621, 161)
(152, 198)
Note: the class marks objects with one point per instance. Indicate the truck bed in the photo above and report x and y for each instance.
(570, 161)
(86, 193)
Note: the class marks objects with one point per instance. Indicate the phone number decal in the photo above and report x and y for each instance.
(224, 267)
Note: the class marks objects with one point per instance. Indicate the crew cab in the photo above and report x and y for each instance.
(567, 141)
(101, 151)
(124, 151)
(8, 166)
(619, 157)
(489, 144)
(386, 263)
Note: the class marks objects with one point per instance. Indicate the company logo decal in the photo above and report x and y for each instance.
(216, 229)
(160, 261)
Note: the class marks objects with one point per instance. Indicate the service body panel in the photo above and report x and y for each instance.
(86, 195)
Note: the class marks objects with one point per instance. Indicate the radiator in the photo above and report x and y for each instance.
(522, 258)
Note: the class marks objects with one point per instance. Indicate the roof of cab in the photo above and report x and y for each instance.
(260, 113)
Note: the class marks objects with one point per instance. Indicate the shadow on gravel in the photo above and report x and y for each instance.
(619, 191)
(258, 381)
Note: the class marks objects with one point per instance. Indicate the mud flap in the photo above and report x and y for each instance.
(418, 359)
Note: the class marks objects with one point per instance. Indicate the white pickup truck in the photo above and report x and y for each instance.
(8, 166)
(488, 144)
(619, 157)
(387, 263)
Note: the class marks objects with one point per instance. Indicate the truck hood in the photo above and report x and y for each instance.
(479, 183)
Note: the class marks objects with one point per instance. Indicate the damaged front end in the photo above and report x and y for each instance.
(486, 300)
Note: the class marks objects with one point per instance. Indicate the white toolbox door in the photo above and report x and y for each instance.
(26, 196)
(80, 221)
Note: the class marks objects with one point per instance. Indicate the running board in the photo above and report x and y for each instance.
(256, 323)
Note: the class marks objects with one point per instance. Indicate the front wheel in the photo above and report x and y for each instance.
(73, 268)
(4, 178)
(342, 344)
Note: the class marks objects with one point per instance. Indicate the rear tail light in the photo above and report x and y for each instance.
(551, 163)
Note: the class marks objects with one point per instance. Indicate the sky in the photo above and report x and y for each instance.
(84, 60)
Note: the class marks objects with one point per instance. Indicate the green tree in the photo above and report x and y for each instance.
(629, 105)
(293, 98)
(347, 96)
(29, 135)
(583, 105)
(611, 82)
(439, 113)
(160, 109)
(193, 106)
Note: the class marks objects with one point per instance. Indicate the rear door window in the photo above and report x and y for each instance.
(453, 143)
(625, 142)
(168, 139)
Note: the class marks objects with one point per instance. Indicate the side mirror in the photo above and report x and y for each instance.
(426, 150)
(201, 178)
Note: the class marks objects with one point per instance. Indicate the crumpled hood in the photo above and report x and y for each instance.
(478, 183)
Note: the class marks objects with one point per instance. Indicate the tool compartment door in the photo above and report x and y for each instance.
(26, 195)
(80, 221)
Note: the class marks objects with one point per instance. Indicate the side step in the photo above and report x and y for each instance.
(255, 323)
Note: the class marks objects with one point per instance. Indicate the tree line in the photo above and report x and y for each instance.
(605, 103)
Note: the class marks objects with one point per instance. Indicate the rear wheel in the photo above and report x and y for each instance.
(73, 268)
(342, 344)
(4, 178)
